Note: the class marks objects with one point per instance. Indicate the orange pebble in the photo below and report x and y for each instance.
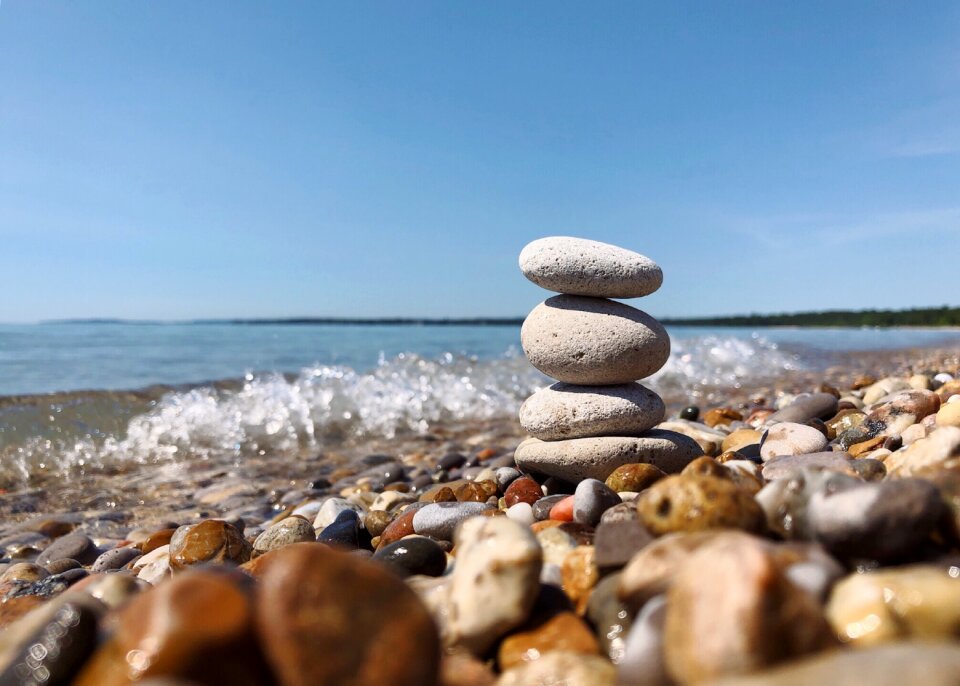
(563, 511)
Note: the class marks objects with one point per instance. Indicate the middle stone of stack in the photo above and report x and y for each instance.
(596, 348)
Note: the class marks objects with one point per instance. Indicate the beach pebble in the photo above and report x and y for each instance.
(563, 631)
(643, 662)
(440, 520)
(561, 668)
(178, 629)
(805, 408)
(616, 542)
(788, 438)
(786, 466)
(24, 571)
(949, 415)
(56, 650)
(741, 438)
(596, 458)
(878, 521)
(651, 570)
(343, 532)
(579, 574)
(884, 387)
(580, 266)
(413, 555)
(891, 417)
(610, 616)
(504, 476)
(634, 477)
(880, 606)
(330, 510)
(541, 509)
(566, 411)
(522, 490)
(591, 499)
(494, 583)
(211, 540)
(75, 546)
(927, 663)
(593, 341)
(925, 454)
(324, 617)
(522, 513)
(154, 566)
(765, 618)
(697, 503)
(114, 559)
(292, 529)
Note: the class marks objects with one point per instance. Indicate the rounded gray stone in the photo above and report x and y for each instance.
(593, 341)
(579, 266)
(440, 520)
(591, 499)
(813, 406)
(566, 411)
(595, 458)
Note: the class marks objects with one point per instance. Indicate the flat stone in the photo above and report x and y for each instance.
(591, 499)
(805, 408)
(788, 438)
(566, 411)
(880, 521)
(691, 502)
(788, 465)
(440, 520)
(593, 341)
(616, 542)
(327, 617)
(292, 529)
(114, 559)
(579, 266)
(596, 458)
(494, 584)
(732, 610)
(930, 664)
(885, 605)
(76, 546)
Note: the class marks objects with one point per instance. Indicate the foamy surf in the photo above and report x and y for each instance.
(287, 414)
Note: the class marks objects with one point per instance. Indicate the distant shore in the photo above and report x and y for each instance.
(931, 317)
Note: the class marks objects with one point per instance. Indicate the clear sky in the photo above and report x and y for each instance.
(216, 159)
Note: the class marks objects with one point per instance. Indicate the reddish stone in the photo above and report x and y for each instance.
(401, 526)
(563, 511)
(522, 490)
(211, 540)
(156, 540)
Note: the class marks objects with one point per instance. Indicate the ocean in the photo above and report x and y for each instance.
(91, 394)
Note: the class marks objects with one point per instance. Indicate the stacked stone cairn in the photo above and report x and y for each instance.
(596, 417)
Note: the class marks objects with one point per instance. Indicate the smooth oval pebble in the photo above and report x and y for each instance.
(584, 267)
(591, 499)
(567, 411)
(76, 546)
(787, 438)
(114, 559)
(440, 520)
(593, 341)
(413, 555)
(596, 458)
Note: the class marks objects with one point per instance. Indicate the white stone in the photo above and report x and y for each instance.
(495, 582)
(566, 411)
(579, 266)
(593, 341)
(787, 438)
(596, 458)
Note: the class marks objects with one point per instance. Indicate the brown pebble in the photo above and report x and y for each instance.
(706, 466)
(156, 540)
(522, 490)
(721, 416)
(864, 447)
(376, 521)
(212, 540)
(578, 575)
(698, 503)
(326, 617)
(564, 631)
(401, 526)
(634, 477)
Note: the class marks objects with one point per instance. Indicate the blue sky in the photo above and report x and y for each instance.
(178, 160)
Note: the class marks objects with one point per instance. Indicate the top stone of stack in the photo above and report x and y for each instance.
(577, 266)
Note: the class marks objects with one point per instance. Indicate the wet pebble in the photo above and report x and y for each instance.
(413, 555)
(591, 499)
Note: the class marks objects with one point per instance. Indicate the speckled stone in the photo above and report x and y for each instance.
(593, 341)
(748, 616)
(579, 266)
(596, 458)
(292, 529)
(566, 411)
(698, 503)
(634, 477)
(788, 438)
(114, 559)
(494, 584)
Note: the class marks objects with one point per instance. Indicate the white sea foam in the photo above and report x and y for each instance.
(407, 394)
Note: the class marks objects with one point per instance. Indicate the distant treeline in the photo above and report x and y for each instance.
(928, 316)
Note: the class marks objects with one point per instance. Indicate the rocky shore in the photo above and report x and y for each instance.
(806, 531)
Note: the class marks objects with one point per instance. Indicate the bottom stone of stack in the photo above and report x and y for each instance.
(596, 458)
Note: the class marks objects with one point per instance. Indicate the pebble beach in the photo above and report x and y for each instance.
(801, 528)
